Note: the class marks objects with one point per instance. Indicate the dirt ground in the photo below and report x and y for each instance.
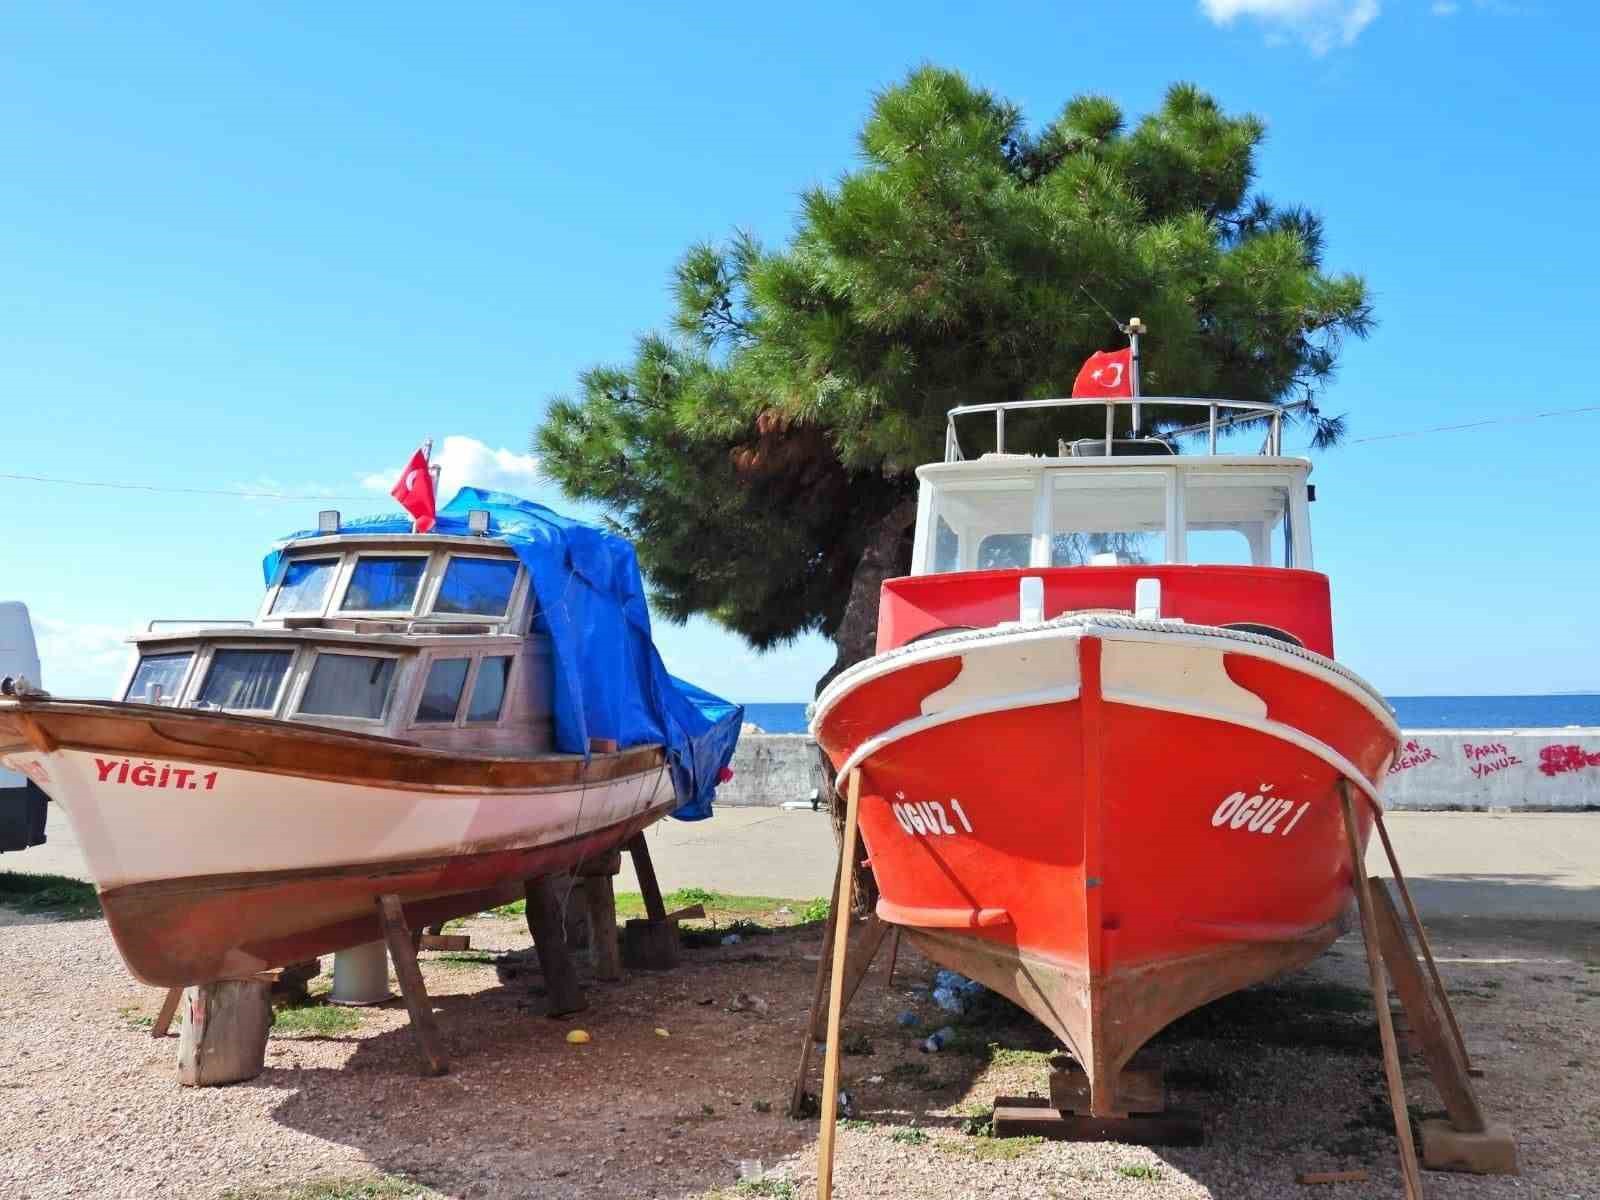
(1286, 1075)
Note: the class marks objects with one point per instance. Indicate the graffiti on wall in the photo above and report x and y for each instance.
(1561, 760)
(1486, 758)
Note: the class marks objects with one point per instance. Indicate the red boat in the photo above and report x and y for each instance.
(1102, 739)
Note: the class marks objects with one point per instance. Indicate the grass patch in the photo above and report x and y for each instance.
(319, 1020)
(910, 1136)
(385, 1187)
(135, 1019)
(53, 895)
(813, 911)
(774, 1189)
(907, 1071)
(993, 1149)
(457, 959)
(1005, 1056)
(855, 1123)
(1296, 1013)
(1139, 1171)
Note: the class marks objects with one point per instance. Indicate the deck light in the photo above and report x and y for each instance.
(478, 521)
(328, 521)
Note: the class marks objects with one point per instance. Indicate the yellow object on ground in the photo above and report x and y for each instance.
(578, 1037)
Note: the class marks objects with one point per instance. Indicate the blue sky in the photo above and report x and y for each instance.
(273, 247)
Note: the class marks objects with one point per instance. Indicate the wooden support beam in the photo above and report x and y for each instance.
(1426, 1022)
(223, 1038)
(600, 902)
(1410, 1173)
(1141, 1087)
(550, 943)
(644, 869)
(1490, 1151)
(1034, 1116)
(402, 951)
(894, 955)
(169, 1006)
(841, 944)
(1422, 939)
(859, 961)
(819, 993)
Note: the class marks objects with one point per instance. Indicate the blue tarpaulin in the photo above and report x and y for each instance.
(609, 680)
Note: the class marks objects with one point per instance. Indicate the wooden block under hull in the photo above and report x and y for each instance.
(1029, 1116)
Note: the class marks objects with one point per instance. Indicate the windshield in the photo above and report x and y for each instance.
(157, 678)
(383, 583)
(480, 586)
(349, 685)
(244, 680)
(305, 585)
(1240, 519)
(1101, 519)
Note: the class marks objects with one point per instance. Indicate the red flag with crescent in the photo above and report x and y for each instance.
(414, 490)
(1106, 373)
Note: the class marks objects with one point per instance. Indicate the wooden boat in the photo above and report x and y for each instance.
(1102, 739)
(385, 725)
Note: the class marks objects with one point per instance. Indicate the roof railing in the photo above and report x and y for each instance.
(1220, 415)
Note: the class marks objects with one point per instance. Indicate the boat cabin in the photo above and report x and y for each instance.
(1208, 538)
(428, 638)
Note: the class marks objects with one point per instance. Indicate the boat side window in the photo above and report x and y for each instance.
(1237, 518)
(349, 685)
(981, 524)
(489, 689)
(244, 680)
(441, 694)
(1105, 518)
(384, 583)
(305, 585)
(476, 586)
(158, 677)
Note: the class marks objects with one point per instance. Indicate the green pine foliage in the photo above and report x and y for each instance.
(757, 449)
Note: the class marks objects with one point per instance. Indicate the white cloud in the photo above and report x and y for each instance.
(1445, 8)
(80, 659)
(466, 462)
(1323, 25)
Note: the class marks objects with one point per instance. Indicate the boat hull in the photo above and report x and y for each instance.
(1109, 823)
(222, 845)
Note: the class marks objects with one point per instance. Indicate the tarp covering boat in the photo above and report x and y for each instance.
(609, 680)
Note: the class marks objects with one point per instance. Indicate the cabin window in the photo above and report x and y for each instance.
(982, 524)
(384, 583)
(1098, 519)
(158, 677)
(1239, 519)
(349, 685)
(476, 586)
(489, 689)
(441, 694)
(244, 680)
(305, 585)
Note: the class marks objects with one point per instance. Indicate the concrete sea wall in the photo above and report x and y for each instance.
(1476, 769)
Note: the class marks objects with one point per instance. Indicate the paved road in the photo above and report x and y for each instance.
(1459, 864)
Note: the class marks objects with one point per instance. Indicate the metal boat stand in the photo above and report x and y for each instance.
(1465, 1141)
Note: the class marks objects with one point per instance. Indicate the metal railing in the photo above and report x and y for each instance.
(198, 622)
(1220, 415)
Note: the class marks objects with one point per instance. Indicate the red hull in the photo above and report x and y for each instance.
(1111, 822)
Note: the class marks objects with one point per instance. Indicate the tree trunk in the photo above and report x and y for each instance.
(887, 555)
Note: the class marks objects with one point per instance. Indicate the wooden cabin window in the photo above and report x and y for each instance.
(441, 694)
(477, 586)
(158, 677)
(384, 583)
(305, 585)
(489, 689)
(349, 685)
(244, 680)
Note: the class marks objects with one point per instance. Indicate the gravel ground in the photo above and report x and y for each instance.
(1286, 1075)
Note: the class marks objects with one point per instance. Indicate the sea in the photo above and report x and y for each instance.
(1414, 712)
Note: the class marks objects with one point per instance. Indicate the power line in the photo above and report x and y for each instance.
(186, 491)
(242, 494)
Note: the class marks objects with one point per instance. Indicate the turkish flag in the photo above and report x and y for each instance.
(414, 490)
(1106, 373)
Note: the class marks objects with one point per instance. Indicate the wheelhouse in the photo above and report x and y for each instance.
(1124, 523)
(432, 639)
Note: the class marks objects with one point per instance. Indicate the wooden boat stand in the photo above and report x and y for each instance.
(1465, 1141)
(224, 1033)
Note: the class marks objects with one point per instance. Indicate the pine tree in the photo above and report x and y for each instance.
(761, 452)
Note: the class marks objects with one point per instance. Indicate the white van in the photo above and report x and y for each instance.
(22, 804)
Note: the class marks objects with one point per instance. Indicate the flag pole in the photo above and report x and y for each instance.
(1133, 329)
(433, 471)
